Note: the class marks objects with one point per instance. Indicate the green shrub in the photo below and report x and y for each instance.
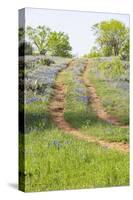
(124, 51)
(94, 52)
(112, 68)
(46, 61)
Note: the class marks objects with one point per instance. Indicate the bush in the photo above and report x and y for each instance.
(124, 51)
(94, 52)
(43, 52)
(112, 68)
(94, 55)
(46, 61)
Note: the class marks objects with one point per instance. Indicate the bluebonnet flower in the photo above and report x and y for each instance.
(33, 99)
(58, 143)
(43, 79)
(84, 99)
(80, 90)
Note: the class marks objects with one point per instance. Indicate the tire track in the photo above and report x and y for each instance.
(57, 114)
(97, 103)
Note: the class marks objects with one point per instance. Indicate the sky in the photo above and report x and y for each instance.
(77, 24)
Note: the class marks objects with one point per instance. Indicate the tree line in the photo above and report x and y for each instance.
(112, 39)
(43, 40)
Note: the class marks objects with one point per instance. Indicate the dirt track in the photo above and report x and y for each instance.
(96, 101)
(57, 113)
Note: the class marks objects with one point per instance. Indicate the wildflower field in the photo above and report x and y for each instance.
(69, 143)
(73, 100)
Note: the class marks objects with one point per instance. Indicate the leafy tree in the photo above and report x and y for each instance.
(39, 37)
(106, 51)
(58, 44)
(110, 35)
(124, 51)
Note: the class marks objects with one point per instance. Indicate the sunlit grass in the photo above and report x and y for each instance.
(56, 161)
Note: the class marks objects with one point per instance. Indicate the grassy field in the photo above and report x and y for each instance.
(57, 161)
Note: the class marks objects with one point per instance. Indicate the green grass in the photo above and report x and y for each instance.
(115, 100)
(56, 161)
(83, 117)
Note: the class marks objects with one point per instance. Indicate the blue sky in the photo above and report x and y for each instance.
(75, 23)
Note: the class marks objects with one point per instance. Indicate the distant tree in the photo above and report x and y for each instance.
(39, 37)
(58, 44)
(94, 52)
(110, 35)
(125, 47)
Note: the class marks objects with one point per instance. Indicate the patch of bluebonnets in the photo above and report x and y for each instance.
(42, 79)
(80, 90)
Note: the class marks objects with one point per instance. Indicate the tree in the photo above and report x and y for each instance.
(58, 44)
(94, 52)
(39, 37)
(106, 51)
(110, 35)
(124, 51)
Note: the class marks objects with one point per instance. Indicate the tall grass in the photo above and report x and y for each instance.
(56, 161)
